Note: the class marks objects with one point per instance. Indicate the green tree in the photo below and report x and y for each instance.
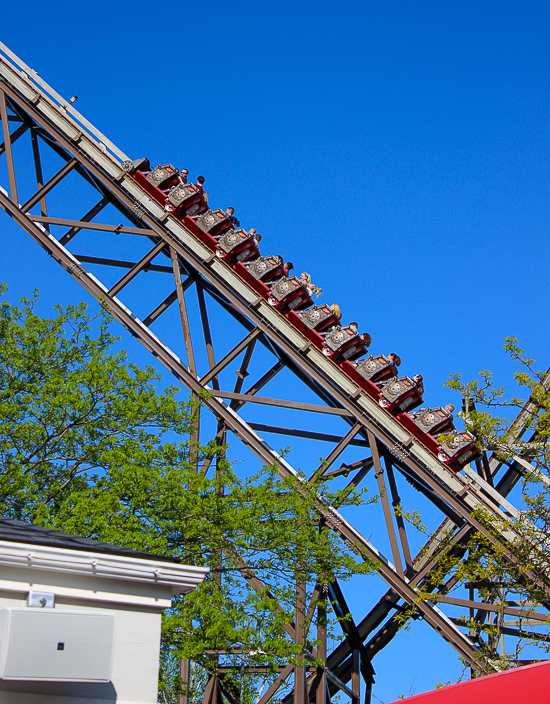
(513, 430)
(90, 446)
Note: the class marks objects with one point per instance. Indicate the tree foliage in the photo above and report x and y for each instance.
(89, 445)
(490, 414)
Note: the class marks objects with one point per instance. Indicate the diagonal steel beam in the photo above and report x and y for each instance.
(258, 385)
(333, 456)
(388, 513)
(242, 372)
(230, 356)
(135, 270)
(46, 188)
(14, 137)
(180, 293)
(90, 215)
(402, 531)
(161, 308)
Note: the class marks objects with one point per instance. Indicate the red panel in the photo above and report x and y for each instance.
(523, 685)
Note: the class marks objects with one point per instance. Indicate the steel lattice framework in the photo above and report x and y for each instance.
(29, 108)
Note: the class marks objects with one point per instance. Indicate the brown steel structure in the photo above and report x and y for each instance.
(29, 107)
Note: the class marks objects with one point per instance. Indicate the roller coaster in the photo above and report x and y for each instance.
(271, 311)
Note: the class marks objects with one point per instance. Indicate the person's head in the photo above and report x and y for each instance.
(201, 180)
(257, 237)
(449, 408)
(418, 378)
(230, 211)
(394, 359)
(366, 339)
(335, 308)
(353, 326)
(305, 277)
(252, 231)
(184, 172)
(288, 266)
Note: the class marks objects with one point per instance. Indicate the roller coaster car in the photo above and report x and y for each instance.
(237, 246)
(266, 269)
(435, 421)
(131, 167)
(399, 395)
(214, 223)
(165, 177)
(184, 199)
(376, 368)
(343, 344)
(289, 293)
(318, 318)
(157, 182)
(459, 450)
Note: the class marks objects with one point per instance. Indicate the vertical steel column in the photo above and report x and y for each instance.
(396, 503)
(320, 694)
(39, 175)
(7, 143)
(300, 689)
(185, 676)
(355, 673)
(388, 513)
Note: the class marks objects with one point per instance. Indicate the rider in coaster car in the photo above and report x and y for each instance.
(419, 381)
(232, 219)
(182, 178)
(395, 361)
(200, 185)
(305, 278)
(287, 268)
(365, 338)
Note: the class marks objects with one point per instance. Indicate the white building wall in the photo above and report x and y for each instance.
(137, 635)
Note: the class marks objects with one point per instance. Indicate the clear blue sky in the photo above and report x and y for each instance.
(397, 151)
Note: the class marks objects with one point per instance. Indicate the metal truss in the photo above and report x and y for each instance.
(194, 282)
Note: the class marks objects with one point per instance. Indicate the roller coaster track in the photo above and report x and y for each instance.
(31, 106)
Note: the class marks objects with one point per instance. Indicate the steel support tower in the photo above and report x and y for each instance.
(197, 281)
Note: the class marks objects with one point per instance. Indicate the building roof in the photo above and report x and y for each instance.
(21, 532)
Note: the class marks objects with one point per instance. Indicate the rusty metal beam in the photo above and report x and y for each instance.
(217, 368)
(242, 371)
(135, 270)
(484, 606)
(121, 263)
(180, 291)
(258, 385)
(310, 434)
(39, 174)
(336, 452)
(282, 403)
(388, 513)
(7, 147)
(272, 689)
(14, 137)
(161, 308)
(46, 188)
(402, 531)
(85, 225)
(75, 229)
(207, 335)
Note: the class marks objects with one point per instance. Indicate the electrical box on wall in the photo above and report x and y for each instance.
(55, 645)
